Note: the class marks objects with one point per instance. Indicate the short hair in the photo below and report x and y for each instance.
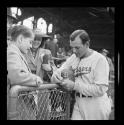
(83, 35)
(21, 30)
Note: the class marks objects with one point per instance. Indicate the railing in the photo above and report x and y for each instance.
(48, 102)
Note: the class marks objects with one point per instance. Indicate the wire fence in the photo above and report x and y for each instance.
(39, 104)
(49, 102)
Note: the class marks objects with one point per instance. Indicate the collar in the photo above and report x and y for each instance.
(13, 46)
(89, 54)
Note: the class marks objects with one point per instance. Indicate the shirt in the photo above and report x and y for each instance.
(92, 72)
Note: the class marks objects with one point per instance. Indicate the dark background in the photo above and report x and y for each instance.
(97, 21)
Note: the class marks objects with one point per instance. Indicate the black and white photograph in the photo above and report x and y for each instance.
(61, 63)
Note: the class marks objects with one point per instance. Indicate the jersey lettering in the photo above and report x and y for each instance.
(81, 70)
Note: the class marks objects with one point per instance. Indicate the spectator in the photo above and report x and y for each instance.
(111, 66)
(36, 54)
(60, 53)
(18, 69)
(52, 45)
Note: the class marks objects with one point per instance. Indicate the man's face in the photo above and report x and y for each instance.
(77, 47)
(25, 43)
(55, 40)
(104, 53)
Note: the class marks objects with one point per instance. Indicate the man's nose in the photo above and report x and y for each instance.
(74, 50)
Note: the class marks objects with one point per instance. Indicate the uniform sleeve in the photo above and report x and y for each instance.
(101, 72)
(58, 71)
(69, 62)
(17, 73)
(100, 83)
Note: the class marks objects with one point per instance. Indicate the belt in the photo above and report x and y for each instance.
(81, 95)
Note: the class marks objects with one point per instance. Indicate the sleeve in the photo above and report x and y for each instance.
(58, 71)
(100, 83)
(101, 72)
(69, 62)
(17, 73)
(111, 65)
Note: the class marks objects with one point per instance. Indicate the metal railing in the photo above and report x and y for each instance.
(48, 102)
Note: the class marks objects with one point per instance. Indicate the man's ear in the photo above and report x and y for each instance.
(88, 43)
(20, 39)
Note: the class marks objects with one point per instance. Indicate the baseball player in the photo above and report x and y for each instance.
(91, 73)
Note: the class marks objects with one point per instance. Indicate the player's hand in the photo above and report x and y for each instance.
(68, 84)
(39, 81)
(56, 77)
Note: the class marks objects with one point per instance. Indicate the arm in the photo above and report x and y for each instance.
(17, 73)
(100, 83)
(46, 60)
(56, 77)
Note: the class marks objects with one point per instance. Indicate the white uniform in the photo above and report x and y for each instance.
(90, 74)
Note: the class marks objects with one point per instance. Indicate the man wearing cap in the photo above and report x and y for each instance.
(91, 73)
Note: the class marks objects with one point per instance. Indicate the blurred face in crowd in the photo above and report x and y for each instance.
(55, 40)
(60, 50)
(36, 43)
(25, 43)
(9, 22)
(104, 53)
(78, 48)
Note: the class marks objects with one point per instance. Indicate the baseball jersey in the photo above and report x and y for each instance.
(91, 75)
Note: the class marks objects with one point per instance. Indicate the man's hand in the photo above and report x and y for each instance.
(39, 81)
(56, 77)
(68, 73)
(68, 84)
